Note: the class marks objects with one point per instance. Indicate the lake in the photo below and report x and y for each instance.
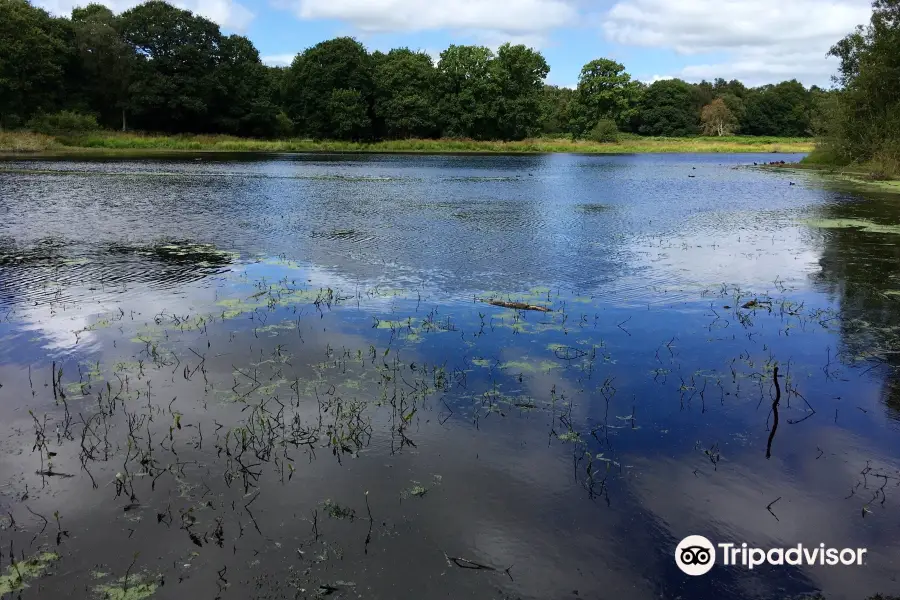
(294, 376)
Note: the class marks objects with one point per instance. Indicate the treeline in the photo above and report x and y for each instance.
(862, 119)
(159, 68)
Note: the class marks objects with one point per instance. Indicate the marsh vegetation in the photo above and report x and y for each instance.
(412, 376)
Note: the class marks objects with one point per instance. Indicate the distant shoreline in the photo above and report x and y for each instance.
(21, 144)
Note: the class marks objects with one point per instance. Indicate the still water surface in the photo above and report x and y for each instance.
(278, 377)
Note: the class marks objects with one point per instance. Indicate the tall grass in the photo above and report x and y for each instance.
(112, 141)
(16, 142)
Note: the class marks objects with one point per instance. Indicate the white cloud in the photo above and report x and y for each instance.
(278, 60)
(655, 78)
(226, 13)
(764, 40)
(493, 39)
(523, 17)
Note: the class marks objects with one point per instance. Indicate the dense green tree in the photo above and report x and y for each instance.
(314, 76)
(174, 83)
(348, 115)
(405, 94)
(706, 92)
(556, 109)
(106, 64)
(35, 54)
(605, 91)
(783, 109)
(467, 92)
(669, 108)
(519, 73)
(157, 67)
(734, 87)
(864, 118)
(243, 103)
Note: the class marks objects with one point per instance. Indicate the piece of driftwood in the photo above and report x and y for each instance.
(517, 305)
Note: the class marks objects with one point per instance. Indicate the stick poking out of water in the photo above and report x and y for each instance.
(517, 305)
(775, 404)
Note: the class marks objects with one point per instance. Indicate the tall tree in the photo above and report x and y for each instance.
(783, 109)
(106, 63)
(174, 78)
(243, 104)
(556, 109)
(717, 119)
(348, 115)
(35, 55)
(405, 95)
(669, 107)
(605, 91)
(865, 120)
(467, 92)
(338, 64)
(519, 73)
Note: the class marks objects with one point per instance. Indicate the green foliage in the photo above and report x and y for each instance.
(783, 109)
(313, 78)
(862, 122)
(175, 74)
(519, 73)
(35, 52)
(669, 108)
(467, 92)
(157, 67)
(63, 122)
(405, 95)
(348, 117)
(556, 109)
(105, 63)
(604, 131)
(605, 91)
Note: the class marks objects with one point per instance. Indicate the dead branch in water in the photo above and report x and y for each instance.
(517, 305)
(775, 404)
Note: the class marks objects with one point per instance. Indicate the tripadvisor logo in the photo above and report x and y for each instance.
(696, 555)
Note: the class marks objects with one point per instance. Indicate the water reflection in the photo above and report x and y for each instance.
(278, 378)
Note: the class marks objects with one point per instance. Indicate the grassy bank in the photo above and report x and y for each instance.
(879, 174)
(115, 143)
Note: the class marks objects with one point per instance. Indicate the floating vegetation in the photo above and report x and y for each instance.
(594, 208)
(337, 511)
(207, 416)
(517, 305)
(860, 224)
(21, 572)
(137, 586)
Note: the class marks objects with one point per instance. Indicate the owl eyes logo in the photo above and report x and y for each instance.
(695, 555)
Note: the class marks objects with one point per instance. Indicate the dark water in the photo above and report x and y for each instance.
(276, 377)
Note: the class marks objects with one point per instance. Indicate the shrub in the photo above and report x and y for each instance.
(63, 122)
(604, 131)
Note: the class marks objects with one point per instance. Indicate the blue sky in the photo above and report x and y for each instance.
(757, 41)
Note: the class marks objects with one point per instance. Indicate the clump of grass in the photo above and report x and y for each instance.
(884, 166)
(21, 141)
